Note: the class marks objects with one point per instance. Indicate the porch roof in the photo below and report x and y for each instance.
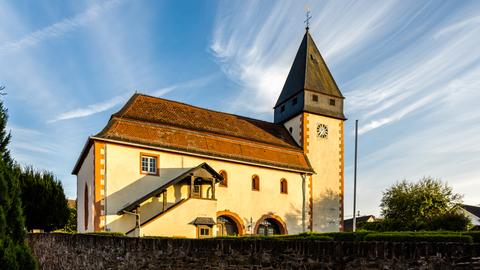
(201, 171)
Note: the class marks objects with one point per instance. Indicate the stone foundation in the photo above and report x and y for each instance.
(78, 251)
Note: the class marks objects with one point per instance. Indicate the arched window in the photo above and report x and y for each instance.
(255, 182)
(85, 205)
(283, 186)
(224, 175)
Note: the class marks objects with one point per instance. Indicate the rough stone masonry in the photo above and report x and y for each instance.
(80, 251)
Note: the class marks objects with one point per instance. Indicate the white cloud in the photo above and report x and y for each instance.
(111, 103)
(60, 28)
(89, 110)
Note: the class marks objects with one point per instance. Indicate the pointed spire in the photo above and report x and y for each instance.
(309, 87)
(308, 72)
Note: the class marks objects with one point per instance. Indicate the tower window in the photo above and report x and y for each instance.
(290, 129)
(294, 101)
(332, 102)
(255, 183)
(283, 186)
(282, 109)
(315, 98)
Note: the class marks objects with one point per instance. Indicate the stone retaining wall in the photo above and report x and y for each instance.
(78, 251)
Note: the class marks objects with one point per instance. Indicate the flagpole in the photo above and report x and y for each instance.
(354, 227)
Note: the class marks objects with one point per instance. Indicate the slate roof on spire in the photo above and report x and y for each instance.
(308, 72)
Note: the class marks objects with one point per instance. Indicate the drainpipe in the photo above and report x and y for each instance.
(304, 176)
(136, 213)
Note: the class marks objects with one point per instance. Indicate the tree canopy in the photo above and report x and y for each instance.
(43, 200)
(428, 204)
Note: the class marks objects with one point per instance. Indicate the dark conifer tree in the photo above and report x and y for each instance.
(43, 199)
(14, 252)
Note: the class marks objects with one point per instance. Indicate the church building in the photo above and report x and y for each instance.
(165, 168)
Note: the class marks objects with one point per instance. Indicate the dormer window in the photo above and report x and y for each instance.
(332, 102)
(294, 101)
(282, 109)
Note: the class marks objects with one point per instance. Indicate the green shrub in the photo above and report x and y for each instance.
(347, 236)
(418, 237)
(304, 236)
(107, 233)
(474, 234)
(452, 221)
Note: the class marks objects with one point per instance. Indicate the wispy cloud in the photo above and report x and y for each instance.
(89, 110)
(60, 28)
(195, 83)
(111, 103)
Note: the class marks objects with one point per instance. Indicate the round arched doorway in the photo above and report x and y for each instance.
(270, 225)
(227, 226)
(229, 223)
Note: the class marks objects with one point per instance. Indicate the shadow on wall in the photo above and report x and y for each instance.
(327, 212)
(139, 188)
(293, 219)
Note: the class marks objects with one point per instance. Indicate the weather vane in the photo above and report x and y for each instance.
(307, 13)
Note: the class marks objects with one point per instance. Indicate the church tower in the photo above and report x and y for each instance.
(310, 106)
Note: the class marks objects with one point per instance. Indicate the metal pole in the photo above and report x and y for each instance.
(354, 227)
(303, 201)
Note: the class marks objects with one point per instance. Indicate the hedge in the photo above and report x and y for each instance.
(474, 234)
(107, 233)
(418, 237)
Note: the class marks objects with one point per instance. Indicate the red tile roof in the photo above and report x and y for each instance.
(158, 122)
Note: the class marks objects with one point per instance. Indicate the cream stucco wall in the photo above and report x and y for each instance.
(85, 176)
(325, 155)
(296, 125)
(178, 222)
(125, 183)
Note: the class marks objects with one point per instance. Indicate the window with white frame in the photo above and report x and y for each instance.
(149, 164)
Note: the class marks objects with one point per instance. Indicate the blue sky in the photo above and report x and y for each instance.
(410, 71)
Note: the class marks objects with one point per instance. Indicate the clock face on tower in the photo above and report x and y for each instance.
(322, 131)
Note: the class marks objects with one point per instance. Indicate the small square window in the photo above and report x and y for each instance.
(149, 164)
(282, 109)
(315, 98)
(294, 101)
(332, 102)
(204, 231)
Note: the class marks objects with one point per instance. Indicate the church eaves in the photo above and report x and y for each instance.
(153, 122)
(308, 72)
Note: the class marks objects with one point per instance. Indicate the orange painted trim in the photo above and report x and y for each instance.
(236, 218)
(157, 157)
(341, 174)
(98, 188)
(305, 133)
(280, 222)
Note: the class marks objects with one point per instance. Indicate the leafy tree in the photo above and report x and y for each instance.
(14, 252)
(415, 206)
(43, 199)
(71, 225)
